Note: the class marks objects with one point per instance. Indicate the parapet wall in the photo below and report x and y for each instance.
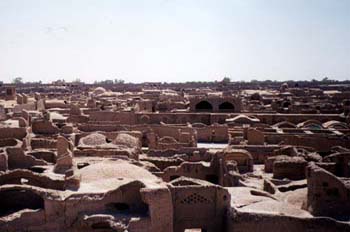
(210, 118)
(242, 221)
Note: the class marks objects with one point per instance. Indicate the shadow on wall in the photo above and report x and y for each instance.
(12, 201)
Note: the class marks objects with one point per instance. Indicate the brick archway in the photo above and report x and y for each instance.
(227, 107)
(204, 106)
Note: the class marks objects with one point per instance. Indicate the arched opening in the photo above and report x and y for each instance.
(119, 206)
(48, 156)
(129, 203)
(37, 169)
(12, 201)
(204, 106)
(174, 177)
(285, 104)
(214, 179)
(138, 208)
(227, 107)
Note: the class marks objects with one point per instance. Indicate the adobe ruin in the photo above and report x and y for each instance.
(174, 157)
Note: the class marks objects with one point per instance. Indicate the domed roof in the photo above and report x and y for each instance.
(93, 139)
(335, 124)
(110, 174)
(284, 124)
(115, 169)
(127, 140)
(99, 90)
(242, 118)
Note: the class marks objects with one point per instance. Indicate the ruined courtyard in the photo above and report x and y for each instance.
(156, 157)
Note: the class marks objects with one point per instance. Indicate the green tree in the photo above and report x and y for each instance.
(118, 81)
(17, 80)
(77, 81)
(226, 80)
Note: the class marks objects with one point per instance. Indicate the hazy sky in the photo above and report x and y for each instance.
(174, 40)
